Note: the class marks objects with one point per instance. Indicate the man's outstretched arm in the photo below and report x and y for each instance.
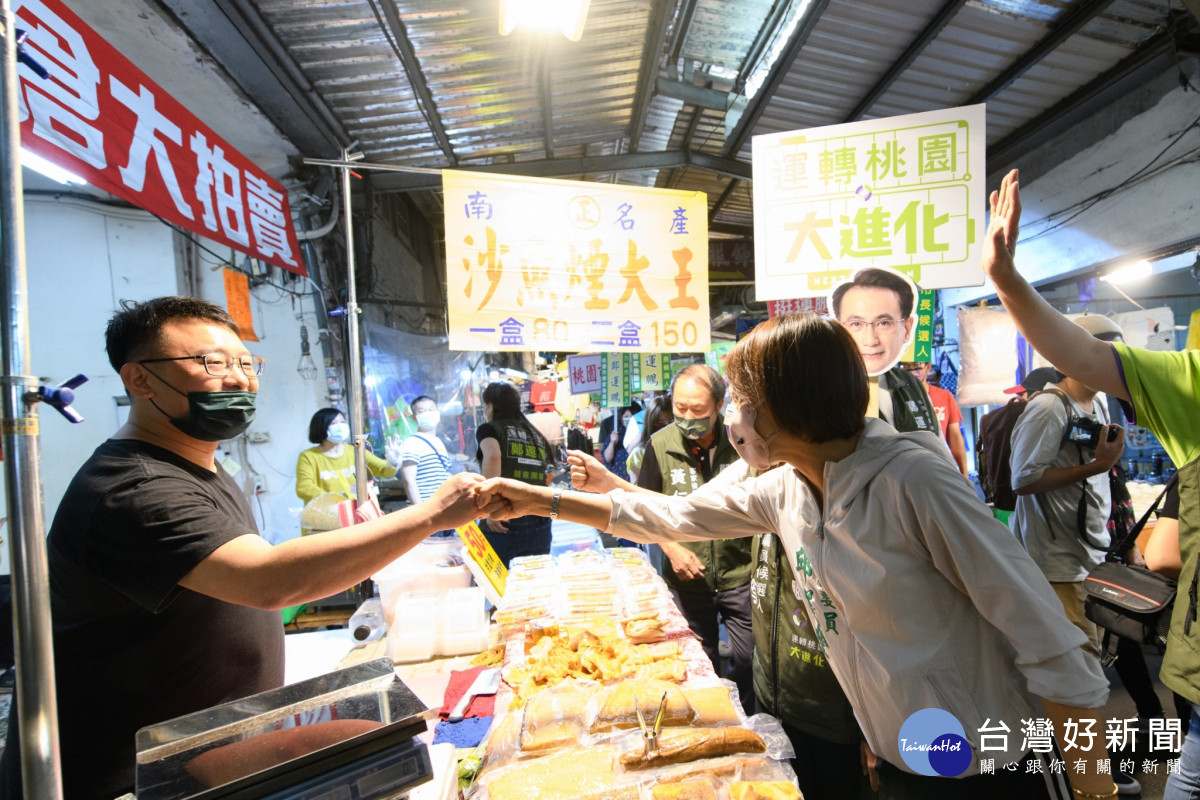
(1070, 348)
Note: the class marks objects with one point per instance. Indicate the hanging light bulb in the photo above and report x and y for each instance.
(307, 367)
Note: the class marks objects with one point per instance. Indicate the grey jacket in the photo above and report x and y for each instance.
(921, 597)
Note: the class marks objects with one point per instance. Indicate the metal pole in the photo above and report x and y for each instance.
(37, 708)
(354, 357)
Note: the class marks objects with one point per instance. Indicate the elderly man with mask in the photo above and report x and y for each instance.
(709, 580)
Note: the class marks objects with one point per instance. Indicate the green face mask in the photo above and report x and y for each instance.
(213, 416)
(694, 428)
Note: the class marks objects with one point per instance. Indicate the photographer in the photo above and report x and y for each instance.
(1061, 457)
(1063, 449)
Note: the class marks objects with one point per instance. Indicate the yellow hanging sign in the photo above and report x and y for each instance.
(568, 266)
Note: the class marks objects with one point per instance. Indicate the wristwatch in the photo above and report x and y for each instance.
(554, 500)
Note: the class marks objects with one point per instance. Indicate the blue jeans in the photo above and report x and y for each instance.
(1185, 784)
(526, 536)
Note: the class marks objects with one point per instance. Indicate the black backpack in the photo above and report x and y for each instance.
(993, 448)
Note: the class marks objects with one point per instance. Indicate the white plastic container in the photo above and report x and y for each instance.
(426, 569)
(462, 623)
(412, 635)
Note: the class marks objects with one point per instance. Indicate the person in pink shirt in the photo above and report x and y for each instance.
(948, 414)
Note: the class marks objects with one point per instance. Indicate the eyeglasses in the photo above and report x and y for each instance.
(218, 365)
(881, 325)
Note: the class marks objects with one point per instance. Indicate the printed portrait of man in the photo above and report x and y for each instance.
(877, 306)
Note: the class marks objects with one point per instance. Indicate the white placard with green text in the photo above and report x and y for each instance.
(906, 193)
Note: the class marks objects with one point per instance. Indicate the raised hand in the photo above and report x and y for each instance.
(1000, 243)
(393, 449)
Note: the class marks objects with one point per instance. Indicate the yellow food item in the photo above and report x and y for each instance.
(569, 775)
(684, 790)
(713, 707)
(554, 718)
(493, 656)
(644, 629)
(764, 790)
(586, 655)
(676, 747)
(619, 709)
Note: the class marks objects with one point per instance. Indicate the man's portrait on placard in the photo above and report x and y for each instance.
(878, 307)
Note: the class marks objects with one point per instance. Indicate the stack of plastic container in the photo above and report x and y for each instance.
(587, 587)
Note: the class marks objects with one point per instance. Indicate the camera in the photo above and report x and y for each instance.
(1085, 432)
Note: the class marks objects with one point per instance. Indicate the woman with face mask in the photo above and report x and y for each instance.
(922, 603)
(329, 467)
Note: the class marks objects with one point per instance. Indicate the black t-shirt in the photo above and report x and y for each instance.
(132, 647)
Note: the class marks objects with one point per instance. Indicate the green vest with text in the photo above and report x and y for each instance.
(726, 561)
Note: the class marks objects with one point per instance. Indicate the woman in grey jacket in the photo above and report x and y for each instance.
(930, 612)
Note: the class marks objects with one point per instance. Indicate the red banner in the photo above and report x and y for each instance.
(777, 308)
(102, 118)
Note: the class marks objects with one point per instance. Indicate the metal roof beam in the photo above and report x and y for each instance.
(248, 50)
(416, 78)
(547, 100)
(1076, 19)
(717, 206)
(1081, 103)
(648, 71)
(697, 95)
(906, 58)
(744, 231)
(779, 71)
(400, 181)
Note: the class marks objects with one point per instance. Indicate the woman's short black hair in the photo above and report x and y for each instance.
(808, 371)
(319, 424)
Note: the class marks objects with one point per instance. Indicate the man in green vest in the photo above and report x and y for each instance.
(710, 580)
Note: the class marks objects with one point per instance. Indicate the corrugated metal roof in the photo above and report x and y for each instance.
(433, 84)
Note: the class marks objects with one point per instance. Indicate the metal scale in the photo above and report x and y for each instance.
(349, 734)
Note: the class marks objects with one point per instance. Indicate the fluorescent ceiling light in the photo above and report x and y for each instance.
(567, 16)
(1129, 272)
(49, 169)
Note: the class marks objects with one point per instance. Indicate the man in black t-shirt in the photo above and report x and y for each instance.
(164, 598)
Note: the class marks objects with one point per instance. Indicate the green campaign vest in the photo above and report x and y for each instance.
(523, 455)
(912, 410)
(792, 679)
(726, 561)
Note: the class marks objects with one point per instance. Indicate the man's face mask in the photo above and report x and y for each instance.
(428, 420)
(694, 428)
(213, 416)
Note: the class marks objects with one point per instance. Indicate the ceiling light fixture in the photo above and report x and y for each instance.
(1129, 272)
(567, 16)
(49, 169)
